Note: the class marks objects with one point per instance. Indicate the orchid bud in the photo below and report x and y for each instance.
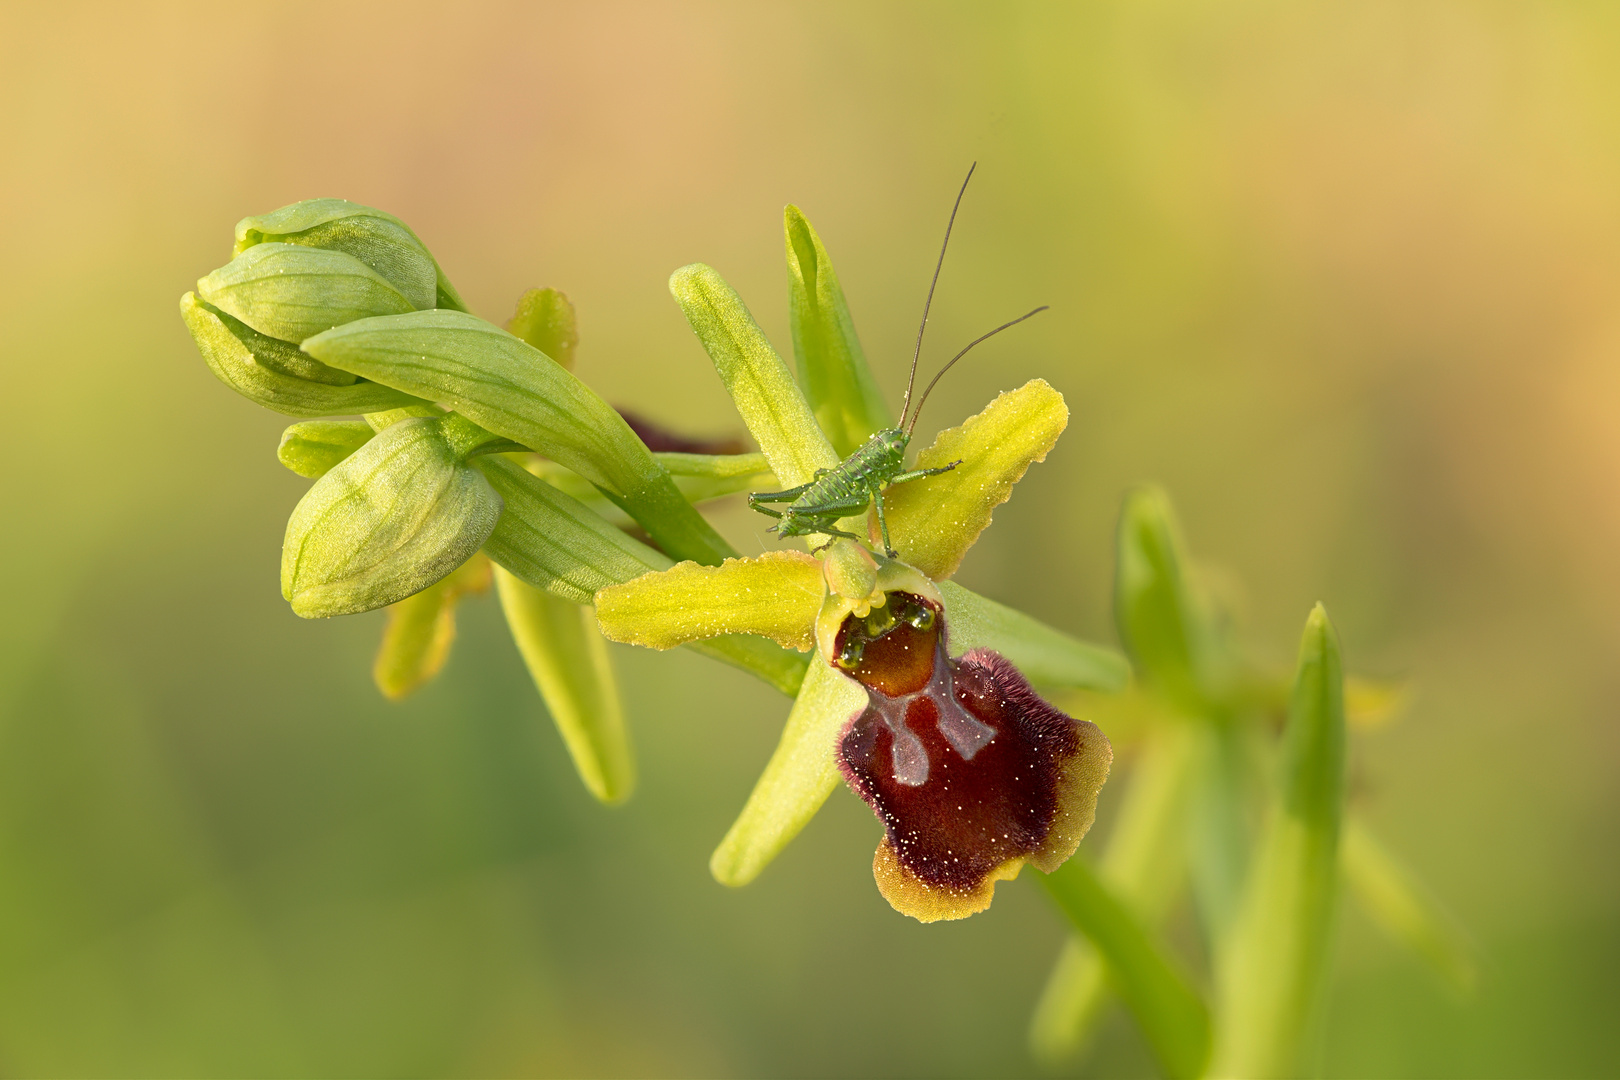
(383, 242)
(389, 520)
(292, 292)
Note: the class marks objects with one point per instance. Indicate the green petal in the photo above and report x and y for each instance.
(545, 319)
(801, 774)
(570, 665)
(1387, 892)
(312, 449)
(1172, 1017)
(274, 373)
(293, 292)
(1272, 979)
(775, 595)
(1047, 657)
(421, 628)
(935, 520)
(832, 365)
(511, 388)
(777, 415)
(391, 519)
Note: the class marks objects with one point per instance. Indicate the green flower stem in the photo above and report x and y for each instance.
(777, 415)
(1161, 621)
(1145, 863)
(1387, 892)
(557, 544)
(1170, 1013)
(832, 365)
(568, 660)
(1047, 657)
(1270, 980)
(511, 388)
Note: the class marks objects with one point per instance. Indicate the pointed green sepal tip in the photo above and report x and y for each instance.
(421, 628)
(800, 775)
(380, 241)
(569, 662)
(832, 365)
(763, 390)
(314, 448)
(545, 319)
(393, 518)
(1272, 980)
(293, 292)
(275, 373)
(1160, 621)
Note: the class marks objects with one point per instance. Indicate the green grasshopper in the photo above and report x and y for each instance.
(859, 480)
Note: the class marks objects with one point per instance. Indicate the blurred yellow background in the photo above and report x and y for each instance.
(1342, 277)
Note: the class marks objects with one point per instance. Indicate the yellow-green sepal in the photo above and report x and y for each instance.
(570, 665)
(775, 595)
(393, 518)
(933, 521)
(763, 390)
(314, 448)
(800, 775)
(293, 292)
(832, 366)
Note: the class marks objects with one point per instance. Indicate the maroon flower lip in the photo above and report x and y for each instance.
(970, 771)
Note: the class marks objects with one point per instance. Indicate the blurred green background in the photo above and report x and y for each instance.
(1342, 277)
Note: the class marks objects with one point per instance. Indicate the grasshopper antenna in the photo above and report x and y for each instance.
(917, 352)
(924, 400)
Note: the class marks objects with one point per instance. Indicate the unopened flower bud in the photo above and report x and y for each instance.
(391, 519)
(292, 292)
(381, 241)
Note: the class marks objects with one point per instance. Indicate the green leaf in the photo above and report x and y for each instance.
(293, 292)
(1047, 657)
(570, 665)
(934, 521)
(1271, 980)
(800, 775)
(1144, 862)
(1394, 900)
(545, 319)
(312, 449)
(391, 519)
(1173, 1018)
(512, 389)
(777, 415)
(832, 366)
(775, 595)
(276, 374)
(1161, 622)
(421, 628)
(378, 239)
(702, 477)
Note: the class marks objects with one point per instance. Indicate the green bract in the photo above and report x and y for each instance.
(394, 517)
(513, 389)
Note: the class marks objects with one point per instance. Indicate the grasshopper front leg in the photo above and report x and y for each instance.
(918, 474)
(883, 522)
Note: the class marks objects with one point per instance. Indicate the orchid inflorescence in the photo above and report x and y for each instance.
(480, 456)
